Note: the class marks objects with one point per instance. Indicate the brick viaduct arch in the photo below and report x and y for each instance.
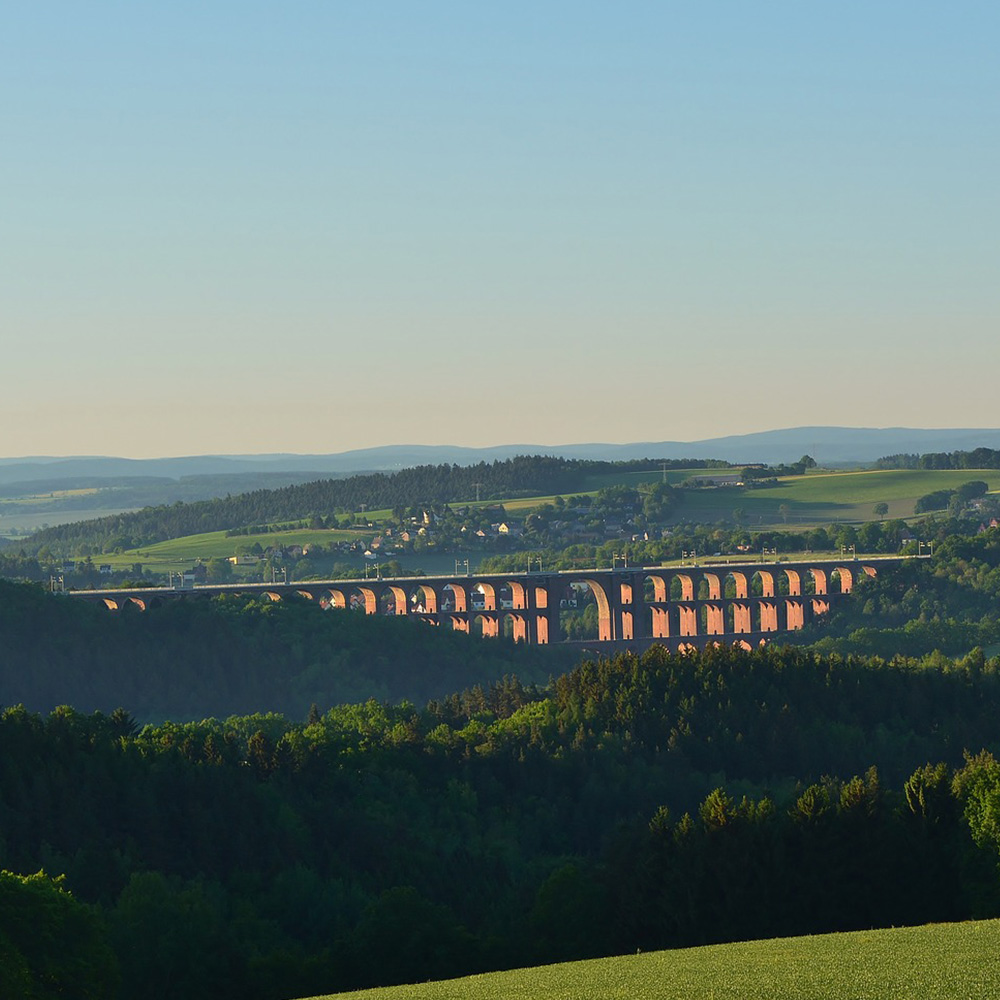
(743, 604)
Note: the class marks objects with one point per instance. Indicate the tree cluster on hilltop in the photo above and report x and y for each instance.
(978, 458)
(429, 484)
(970, 496)
(642, 802)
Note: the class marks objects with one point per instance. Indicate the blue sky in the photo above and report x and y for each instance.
(247, 227)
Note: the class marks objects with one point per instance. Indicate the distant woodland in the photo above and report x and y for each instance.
(978, 458)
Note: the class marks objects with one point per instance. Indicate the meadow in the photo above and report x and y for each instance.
(932, 962)
(826, 497)
(176, 554)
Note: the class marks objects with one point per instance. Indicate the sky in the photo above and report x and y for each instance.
(237, 227)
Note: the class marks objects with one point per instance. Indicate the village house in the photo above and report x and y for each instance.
(717, 479)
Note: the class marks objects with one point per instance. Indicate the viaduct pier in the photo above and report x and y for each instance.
(686, 606)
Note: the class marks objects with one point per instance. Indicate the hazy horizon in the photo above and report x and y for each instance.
(815, 438)
(242, 229)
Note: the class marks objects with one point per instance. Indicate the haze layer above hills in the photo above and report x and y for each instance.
(828, 445)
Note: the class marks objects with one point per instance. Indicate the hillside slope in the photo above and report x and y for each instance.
(941, 961)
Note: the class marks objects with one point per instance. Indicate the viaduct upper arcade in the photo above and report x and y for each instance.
(680, 606)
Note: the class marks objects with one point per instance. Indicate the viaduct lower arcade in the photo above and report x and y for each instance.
(681, 606)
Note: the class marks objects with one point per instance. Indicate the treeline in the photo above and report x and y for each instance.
(955, 500)
(755, 473)
(219, 656)
(255, 857)
(843, 855)
(428, 484)
(979, 458)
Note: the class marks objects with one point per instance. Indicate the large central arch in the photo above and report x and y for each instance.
(605, 624)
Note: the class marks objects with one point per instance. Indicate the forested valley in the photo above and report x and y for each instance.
(267, 800)
(191, 659)
(638, 802)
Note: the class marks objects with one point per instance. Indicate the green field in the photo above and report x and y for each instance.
(935, 962)
(819, 497)
(179, 553)
(827, 497)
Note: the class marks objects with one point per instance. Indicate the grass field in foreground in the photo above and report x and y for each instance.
(912, 963)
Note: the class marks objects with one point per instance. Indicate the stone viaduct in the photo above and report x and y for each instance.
(686, 606)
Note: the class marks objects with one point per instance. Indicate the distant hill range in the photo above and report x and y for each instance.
(828, 445)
